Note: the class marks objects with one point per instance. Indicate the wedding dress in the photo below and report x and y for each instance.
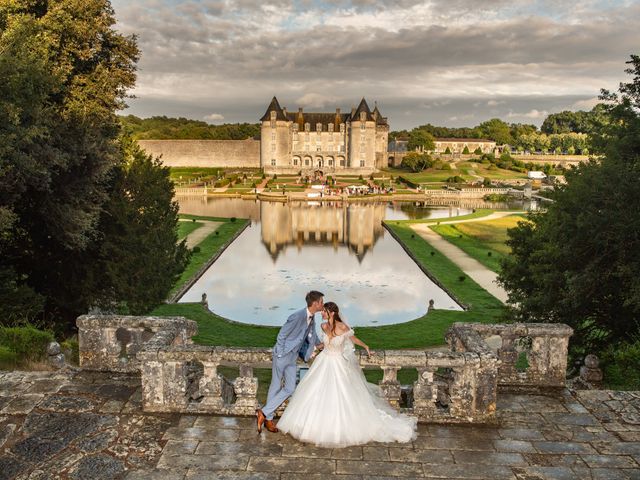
(334, 406)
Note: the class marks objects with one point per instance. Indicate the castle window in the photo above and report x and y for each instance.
(273, 162)
(306, 147)
(342, 127)
(330, 127)
(330, 163)
(273, 137)
(273, 115)
(306, 162)
(342, 162)
(318, 148)
(363, 126)
(318, 127)
(362, 163)
(295, 161)
(295, 127)
(273, 147)
(307, 127)
(363, 116)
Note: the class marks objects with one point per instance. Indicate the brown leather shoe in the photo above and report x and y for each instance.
(271, 426)
(261, 419)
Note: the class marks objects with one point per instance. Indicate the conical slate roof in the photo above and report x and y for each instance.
(274, 106)
(363, 107)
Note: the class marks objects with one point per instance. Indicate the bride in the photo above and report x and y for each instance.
(334, 406)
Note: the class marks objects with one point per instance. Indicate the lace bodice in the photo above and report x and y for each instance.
(338, 343)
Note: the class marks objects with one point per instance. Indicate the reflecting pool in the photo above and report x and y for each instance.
(338, 248)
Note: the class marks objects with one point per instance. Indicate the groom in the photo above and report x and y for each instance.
(297, 338)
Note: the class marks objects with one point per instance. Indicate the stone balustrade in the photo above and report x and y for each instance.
(111, 342)
(530, 354)
(459, 386)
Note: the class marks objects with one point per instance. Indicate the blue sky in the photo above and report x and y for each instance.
(447, 62)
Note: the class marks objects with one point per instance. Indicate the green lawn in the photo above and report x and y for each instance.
(208, 247)
(425, 331)
(479, 213)
(484, 241)
(185, 228)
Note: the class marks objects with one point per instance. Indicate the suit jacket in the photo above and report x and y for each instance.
(292, 335)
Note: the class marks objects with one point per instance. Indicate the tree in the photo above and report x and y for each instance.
(64, 72)
(139, 254)
(578, 262)
(496, 130)
(421, 140)
(416, 162)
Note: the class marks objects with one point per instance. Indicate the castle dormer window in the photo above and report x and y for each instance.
(330, 127)
(318, 127)
(342, 127)
(273, 116)
(295, 127)
(363, 116)
(307, 127)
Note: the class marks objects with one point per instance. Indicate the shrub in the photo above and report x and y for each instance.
(445, 166)
(26, 342)
(71, 350)
(462, 278)
(217, 232)
(447, 151)
(195, 249)
(465, 151)
(478, 151)
(232, 219)
(621, 365)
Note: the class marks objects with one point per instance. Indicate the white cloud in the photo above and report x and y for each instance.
(586, 104)
(213, 117)
(317, 100)
(234, 55)
(533, 114)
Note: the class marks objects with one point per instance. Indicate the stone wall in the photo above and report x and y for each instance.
(205, 153)
(459, 386)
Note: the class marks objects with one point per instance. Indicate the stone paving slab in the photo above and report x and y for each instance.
(81, 425)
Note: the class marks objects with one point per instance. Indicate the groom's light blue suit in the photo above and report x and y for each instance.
(296, 338)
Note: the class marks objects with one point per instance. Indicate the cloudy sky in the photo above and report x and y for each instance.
(446, 62)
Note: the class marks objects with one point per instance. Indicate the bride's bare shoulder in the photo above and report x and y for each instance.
(342, 328)
(325, 327)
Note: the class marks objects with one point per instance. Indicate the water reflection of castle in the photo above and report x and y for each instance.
(358, 226)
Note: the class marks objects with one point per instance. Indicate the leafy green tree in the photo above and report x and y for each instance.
(578, 262)
(416, 162)
(496, 130)
(421, 140)
(166, 128)
(139, 255)
(465, 151)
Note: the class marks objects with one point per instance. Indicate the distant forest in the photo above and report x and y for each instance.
(562, 131)
(165, 128)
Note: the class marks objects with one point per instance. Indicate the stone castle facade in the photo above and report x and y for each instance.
(335, 142)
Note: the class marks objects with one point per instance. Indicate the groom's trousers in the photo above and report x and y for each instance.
(284, 368)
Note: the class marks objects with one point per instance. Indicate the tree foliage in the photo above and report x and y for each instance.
(416, 161)
(578, 262)
(64, 178)
(165, 128)
(420, 140)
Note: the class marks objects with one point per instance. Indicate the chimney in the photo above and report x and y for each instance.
(337, 111)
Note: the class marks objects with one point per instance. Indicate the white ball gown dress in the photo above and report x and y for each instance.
(334, 406)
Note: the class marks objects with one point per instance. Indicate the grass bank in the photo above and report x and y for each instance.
(185, 228)
(425, 331)
(209, 248)
(484, 241)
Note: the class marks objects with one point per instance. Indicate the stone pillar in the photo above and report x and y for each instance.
(425, 394)
(508, 356)
(390, 385)
(245, 388)
(211, 386)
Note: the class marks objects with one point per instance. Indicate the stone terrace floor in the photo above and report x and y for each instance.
(90, 426)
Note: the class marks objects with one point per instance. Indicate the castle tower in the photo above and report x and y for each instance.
(275, 138)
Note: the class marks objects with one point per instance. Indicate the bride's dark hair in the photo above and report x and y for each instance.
(333, 308)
